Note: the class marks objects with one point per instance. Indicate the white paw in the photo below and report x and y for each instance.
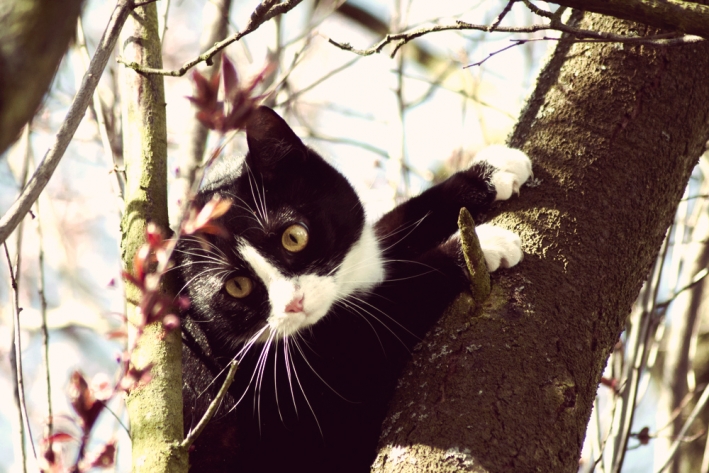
(512, 169)
(501, 247)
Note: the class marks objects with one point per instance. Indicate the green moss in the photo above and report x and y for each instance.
(474, 257)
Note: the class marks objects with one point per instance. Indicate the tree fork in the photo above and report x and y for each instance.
(614, 132)
(155, 409)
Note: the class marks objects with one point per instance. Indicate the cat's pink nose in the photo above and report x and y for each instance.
(296, 305)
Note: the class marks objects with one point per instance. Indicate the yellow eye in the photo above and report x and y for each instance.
(239, 287)
(295, 238)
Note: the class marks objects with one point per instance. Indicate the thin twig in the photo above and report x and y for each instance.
(17, 342)
(695, 412)
(45, 332)
(668, 39)
(263, 12)
(538, 11)
(291, 98)
(76, 112)
(494, 53)
(99, 112)
(696, 279)
(501, 16)
(213, 406)
(215, 15)
(165, 12)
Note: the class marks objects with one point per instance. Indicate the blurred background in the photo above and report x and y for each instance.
(393, 126)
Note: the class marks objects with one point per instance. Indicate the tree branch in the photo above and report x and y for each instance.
(400, 39)
(263, 12)
(687, 17)
(213, 406)
(51, 159)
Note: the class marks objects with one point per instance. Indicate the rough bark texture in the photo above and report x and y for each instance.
(614, 132)
(155, 410)
(34, 35)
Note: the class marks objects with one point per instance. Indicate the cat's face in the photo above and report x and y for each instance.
(297, 243)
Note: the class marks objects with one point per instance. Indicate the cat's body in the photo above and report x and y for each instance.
(328, 307)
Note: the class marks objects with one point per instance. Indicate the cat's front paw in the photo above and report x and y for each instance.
(512, 169)
(501, 247)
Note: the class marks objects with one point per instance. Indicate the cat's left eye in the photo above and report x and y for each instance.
(295, 238)
(239, 287)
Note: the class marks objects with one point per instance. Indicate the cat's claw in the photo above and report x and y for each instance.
(512, 169)
(502, 248)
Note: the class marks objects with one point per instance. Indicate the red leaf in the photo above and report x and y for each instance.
(58, 437)
(231, 78)
(154, 235)
(83, 401)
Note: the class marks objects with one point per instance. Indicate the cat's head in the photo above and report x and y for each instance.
(297, 241)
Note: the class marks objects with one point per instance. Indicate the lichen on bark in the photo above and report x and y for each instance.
(155, 409)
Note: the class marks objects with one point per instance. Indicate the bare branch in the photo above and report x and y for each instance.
(688, 17)
(501, 16)
(695, 412)
(400, 39)
(263, 12)
(99, 112)
(17, 353)
(213, 406)
(214, 29)
(76, 112)
(45, 333)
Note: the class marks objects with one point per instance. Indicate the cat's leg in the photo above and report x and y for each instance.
(512, 169)
(425, 221)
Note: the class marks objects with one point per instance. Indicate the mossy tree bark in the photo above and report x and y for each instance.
(613, 131)
(155, 409)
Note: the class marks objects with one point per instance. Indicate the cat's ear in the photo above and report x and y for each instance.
(270, 139)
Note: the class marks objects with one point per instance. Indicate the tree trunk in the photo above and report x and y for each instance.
(155, 409)
(613, 131)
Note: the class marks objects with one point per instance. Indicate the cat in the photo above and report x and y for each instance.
(320, 308)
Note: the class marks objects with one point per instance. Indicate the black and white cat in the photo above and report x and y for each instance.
(320, 309)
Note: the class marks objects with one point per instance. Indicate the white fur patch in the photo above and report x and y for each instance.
(513, 169)
(361, 269)
(501, 247)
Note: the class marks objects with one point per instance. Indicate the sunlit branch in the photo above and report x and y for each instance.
(51, 159)
(213, 406)
(16, 349)
(99, 112)
(165, 12)
(17, 353)
(400, 39)
(45, 332)
(215, 18)
(263, 12)
(501, 16)
(680, 437)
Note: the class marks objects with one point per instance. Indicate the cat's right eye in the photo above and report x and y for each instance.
(295, 238)
(239, 287)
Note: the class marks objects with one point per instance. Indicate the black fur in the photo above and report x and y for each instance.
(359, 356)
